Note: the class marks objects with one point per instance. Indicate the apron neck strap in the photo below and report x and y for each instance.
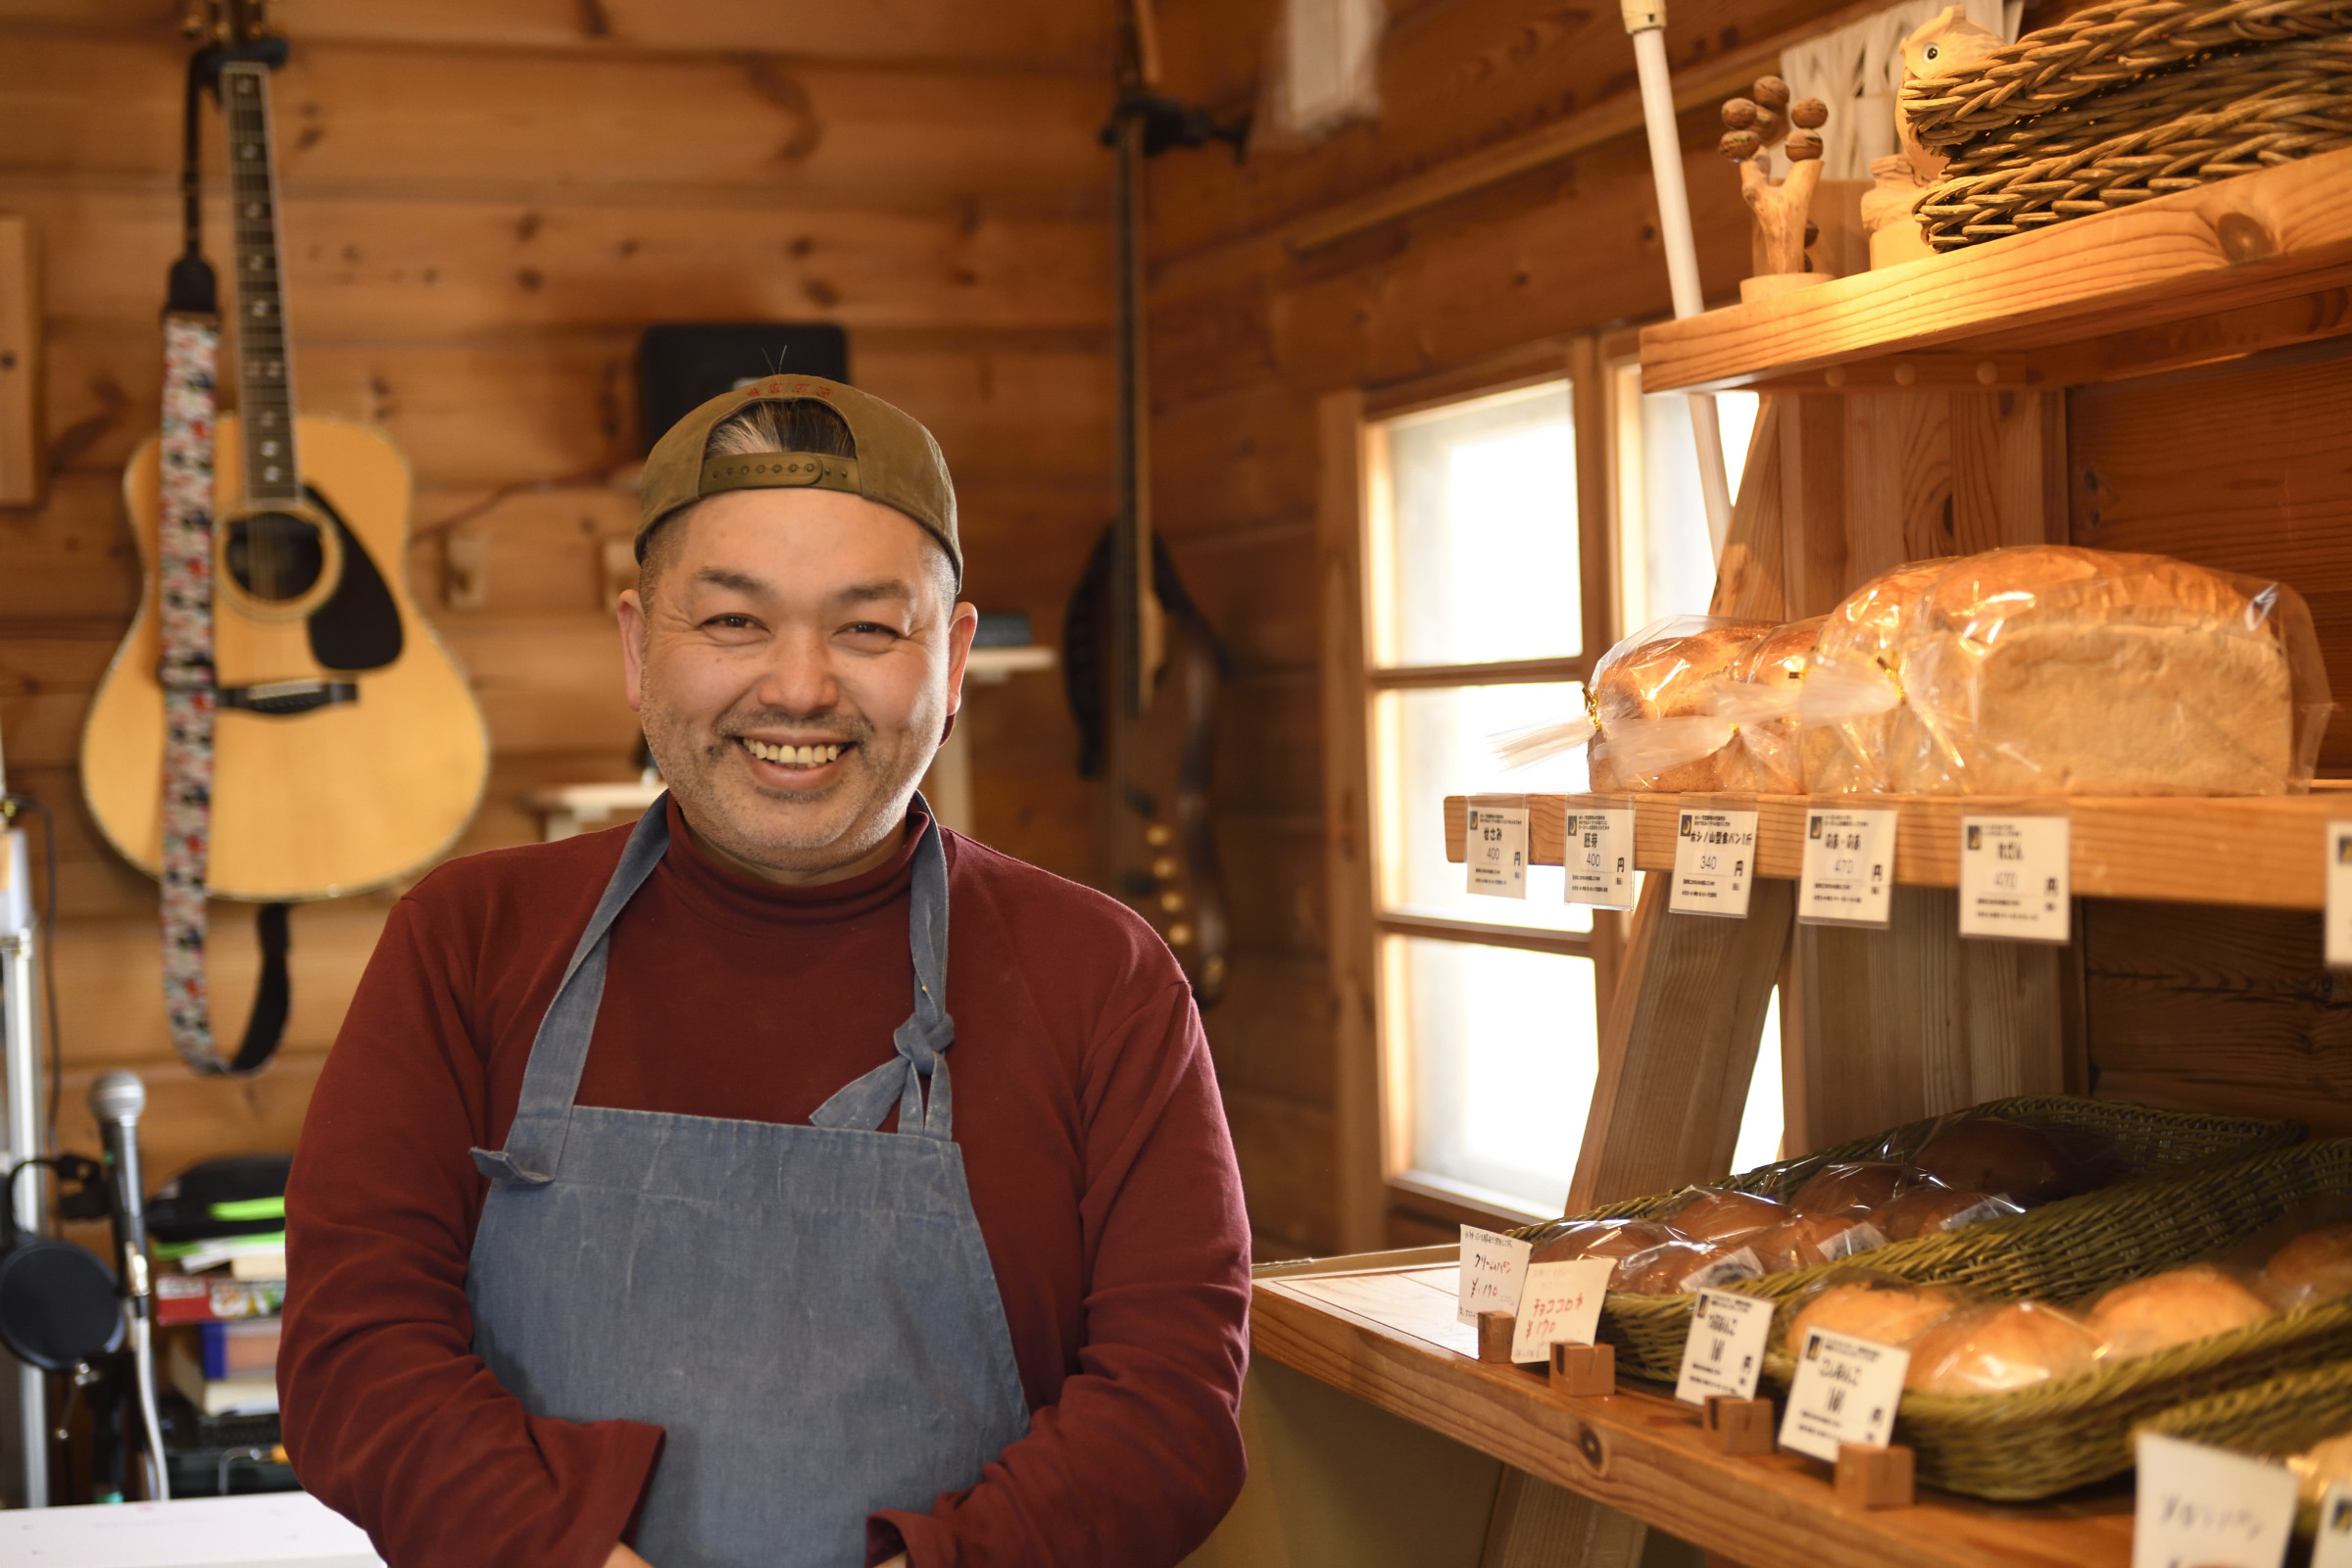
(923, 1039)
(551, 1080)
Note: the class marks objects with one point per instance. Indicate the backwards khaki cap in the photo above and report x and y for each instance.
(897, 465)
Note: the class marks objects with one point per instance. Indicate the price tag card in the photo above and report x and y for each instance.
(2016, 877)
(1725, 1352)
(2333, 1547)
(1714, 862)
(1846, 1390)
(1600, 854)
(1497, 846)
(1560, 1305)
(2340, 896)
(1849, 869)
(2203, 1507)
(1493, 1267)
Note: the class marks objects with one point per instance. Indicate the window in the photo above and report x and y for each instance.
(1509, 534)
(1478, 618)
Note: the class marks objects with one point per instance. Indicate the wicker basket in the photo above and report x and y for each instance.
(2232, 115)
(2122, 103)
(2052, 1437)
(1648, 1331)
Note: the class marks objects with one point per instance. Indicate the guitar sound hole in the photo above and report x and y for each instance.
(275, 556)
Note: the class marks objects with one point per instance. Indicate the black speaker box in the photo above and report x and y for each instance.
(683, 364)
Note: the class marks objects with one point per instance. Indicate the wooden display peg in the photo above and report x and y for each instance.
(1586, 1371)
(1871, 1477)
(1739, 1426)
(1494, 1330)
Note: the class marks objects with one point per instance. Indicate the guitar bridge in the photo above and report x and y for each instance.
(280, 698)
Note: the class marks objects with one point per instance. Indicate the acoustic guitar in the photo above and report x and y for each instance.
(348, 751)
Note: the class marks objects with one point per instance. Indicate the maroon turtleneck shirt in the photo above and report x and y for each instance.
(1092, 1135)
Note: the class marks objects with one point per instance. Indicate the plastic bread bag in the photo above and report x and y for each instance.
(1653, 701)
(2175, 1308)
(1854, 1187)
(1716, 1214)
(1932, 1208)
(1620, 1239)
(2027, 1162)
(1764, 702)
(1994, 1349)
(1853, 683)
(2048, 669)
(2301, 1258)
(1881, 1308)
(1806, 1241)
(1680, 1268)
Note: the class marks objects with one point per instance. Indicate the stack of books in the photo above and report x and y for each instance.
(221, 1297)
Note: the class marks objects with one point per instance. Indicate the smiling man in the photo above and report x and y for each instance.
(693, 1193)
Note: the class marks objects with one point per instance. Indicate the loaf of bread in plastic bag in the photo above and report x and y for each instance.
(2048, 670)
(1654, 700)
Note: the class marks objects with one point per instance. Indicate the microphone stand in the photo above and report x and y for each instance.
(116, 1101)
(19, 1014)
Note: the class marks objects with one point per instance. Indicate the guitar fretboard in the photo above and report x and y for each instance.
(264, 370)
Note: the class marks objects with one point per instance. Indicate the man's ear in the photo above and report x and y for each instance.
(630, 611)
(962, 626)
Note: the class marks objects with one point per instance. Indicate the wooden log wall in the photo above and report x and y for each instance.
(1257, 310)
(2240, 466)
(482, 205)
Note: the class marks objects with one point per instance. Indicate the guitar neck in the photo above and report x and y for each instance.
(1136, 606)
(265, 365)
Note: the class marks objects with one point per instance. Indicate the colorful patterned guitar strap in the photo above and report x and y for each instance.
(184, 570)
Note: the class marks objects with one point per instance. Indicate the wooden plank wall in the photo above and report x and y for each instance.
(483, 204)
(1247, 333)
(2240, 466)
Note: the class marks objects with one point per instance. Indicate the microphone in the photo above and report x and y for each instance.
(116, 1101)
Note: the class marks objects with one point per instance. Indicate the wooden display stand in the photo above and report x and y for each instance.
(1921, 411)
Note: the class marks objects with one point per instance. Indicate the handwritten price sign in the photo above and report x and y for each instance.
(2202, 1507)
(1560, 1305)
(1493, 1268)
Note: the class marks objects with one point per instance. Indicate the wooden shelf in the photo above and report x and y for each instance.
(1350, 1322)
(2245, 264)
(2261, 852)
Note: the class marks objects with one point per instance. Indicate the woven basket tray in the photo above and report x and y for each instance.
(2268, 1420)
(2097, 49)
(1648, 1331)
(2041, 1441)
(2225, 116)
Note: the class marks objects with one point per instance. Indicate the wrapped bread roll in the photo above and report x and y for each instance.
(1653, 701)
(1855, 670)
(1711, 1215)
(1994, 1155)
(2047, 669)
(2172, 1309)
(1765, 756)
(1991, 1349)
(1881, 1313)
(1618, 1239)
(1677, 1268)
(1810, 1239)
(2316, 1266)
(1857, 1186)
(1930, 1210)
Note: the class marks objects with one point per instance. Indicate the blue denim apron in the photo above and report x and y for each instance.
(808, 1312)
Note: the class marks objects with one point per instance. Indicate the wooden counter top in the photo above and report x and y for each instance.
(1350, 1324)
